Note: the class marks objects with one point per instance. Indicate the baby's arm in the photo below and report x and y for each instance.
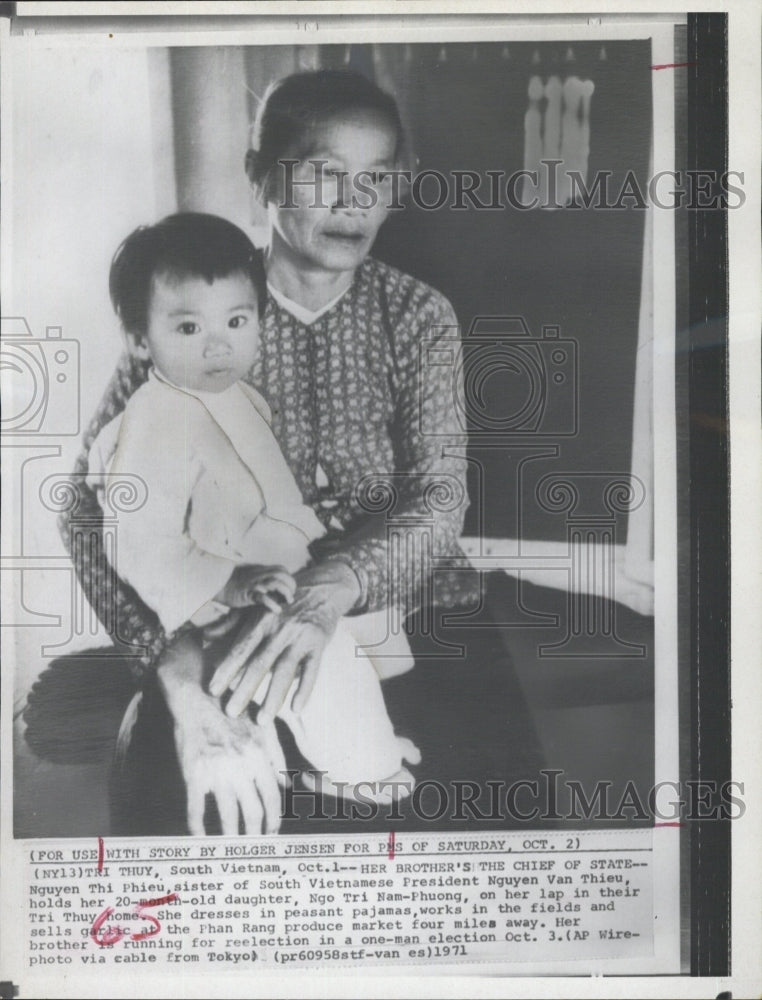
(177, 577)
(271, 586)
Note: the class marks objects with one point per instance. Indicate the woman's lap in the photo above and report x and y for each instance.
(469, 718)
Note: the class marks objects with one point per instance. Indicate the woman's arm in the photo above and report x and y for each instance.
(410, 521)
(124, 616)
(239, 763)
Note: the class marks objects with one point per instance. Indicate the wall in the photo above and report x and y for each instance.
(579, 269)
(81, 164)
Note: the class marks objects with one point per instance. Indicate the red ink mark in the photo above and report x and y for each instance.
(110, 935)
(391, 846)
(142, 935)
(672, 65)
(666, 824)
(100, 854)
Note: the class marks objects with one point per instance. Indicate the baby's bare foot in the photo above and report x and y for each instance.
(398, 786)
(409, 750)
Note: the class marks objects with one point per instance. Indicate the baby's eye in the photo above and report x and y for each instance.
(188, 328)
(237, 321)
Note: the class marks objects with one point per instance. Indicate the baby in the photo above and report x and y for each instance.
(224, 524)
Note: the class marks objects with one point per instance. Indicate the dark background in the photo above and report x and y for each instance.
(575, 268)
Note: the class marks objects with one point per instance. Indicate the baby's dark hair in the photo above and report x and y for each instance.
(185, 245)
(294, 106)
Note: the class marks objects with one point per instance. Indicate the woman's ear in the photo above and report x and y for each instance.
(137, 345)
(252, 167)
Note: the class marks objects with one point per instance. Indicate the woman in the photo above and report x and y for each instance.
(364, 410)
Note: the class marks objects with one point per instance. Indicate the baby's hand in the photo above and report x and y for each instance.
(272, 586)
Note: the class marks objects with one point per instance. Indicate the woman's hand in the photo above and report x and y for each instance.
(288, 643)
(240, 763)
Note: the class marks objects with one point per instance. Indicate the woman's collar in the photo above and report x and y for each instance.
(304, 314)
(300, 312)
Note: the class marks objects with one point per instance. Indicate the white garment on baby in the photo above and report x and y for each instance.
(231, 499)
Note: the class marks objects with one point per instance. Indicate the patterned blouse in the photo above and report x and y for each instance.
(364, 406)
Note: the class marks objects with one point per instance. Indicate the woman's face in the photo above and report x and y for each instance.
(327, 215)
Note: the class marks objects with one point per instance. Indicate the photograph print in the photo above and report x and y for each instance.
(333, 436)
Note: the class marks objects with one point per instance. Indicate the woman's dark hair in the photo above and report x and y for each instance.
(185, 245)
(295, 106)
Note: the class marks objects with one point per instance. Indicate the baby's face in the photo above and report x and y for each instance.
(203, 336)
